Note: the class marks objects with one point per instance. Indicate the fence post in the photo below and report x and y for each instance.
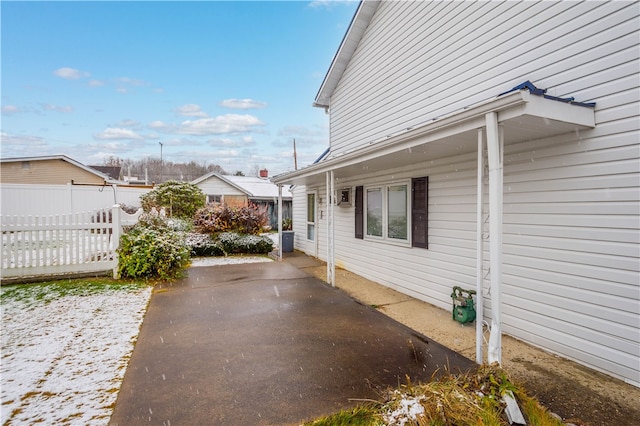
(115, 236)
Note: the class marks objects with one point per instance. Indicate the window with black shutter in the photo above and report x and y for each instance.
(359, 212)
(419, 213)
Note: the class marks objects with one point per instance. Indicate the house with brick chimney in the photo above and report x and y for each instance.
(239, 191)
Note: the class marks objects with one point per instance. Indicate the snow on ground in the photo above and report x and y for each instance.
(64, 357)
(230, 260)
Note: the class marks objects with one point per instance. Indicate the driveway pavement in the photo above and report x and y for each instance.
(265, 344)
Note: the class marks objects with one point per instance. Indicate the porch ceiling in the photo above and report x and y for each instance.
(523, 116)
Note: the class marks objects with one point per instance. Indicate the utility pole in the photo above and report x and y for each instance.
(295, 156)
(160, 162)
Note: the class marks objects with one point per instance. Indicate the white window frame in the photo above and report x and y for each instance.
(384, 188)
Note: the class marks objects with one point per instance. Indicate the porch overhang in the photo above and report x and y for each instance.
(522, 115)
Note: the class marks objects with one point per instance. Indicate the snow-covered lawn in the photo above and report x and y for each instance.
(64, 352)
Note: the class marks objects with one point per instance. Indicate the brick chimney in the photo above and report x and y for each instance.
(264, 173)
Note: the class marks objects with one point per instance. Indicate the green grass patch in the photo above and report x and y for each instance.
(48, 291)
(362, 415)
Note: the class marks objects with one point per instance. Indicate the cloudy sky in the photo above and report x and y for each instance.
(228, 83)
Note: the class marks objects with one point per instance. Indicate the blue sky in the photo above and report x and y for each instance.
(228, 83)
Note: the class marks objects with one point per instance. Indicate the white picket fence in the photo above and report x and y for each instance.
(62, 244)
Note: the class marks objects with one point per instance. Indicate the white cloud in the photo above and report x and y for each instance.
(191, 110)
(243, 104)
(159, 125)
(127, 123)
(117, 133)
(229, 142)
(57, 108)
(10, 109)
(222, 124)
(22, 141)
(96, 83)
(70, 73)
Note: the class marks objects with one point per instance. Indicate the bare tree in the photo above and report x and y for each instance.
(155, 171)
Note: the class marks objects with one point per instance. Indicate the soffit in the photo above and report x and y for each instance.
(523, 117)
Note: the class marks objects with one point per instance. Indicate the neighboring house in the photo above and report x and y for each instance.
(451, 168)
(242, 190)
(114, 172)
(58, 184)
(49, 170)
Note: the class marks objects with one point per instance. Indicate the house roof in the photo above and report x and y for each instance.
(253, 186)
(350, 41)
(112, 171)
(59, 157)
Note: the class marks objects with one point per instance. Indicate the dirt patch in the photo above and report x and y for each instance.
(578, 394)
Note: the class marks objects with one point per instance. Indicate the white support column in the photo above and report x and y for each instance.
(331, 270)
(479, 252)
(333, 228)
(495, 234)
(280, 222)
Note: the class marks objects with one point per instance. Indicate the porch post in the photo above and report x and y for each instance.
(279, 221)
(479, 251)
(331, 268)
(495, 234)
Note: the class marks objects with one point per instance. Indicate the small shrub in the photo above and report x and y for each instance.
(150, 249)
(203, 245)
(180, 225)
(232, 242)
(217, 218)
(254, 244)
(179, 199)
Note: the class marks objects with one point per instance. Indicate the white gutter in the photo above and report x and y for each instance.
(494, 156)
(480, 252)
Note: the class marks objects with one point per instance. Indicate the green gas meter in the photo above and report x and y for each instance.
(463, 310)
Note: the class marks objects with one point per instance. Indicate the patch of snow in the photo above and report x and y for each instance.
(64, 357)
(228, 260)
(408, 410)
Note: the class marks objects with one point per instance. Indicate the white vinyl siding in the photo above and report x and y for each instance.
(571, 263)
(218, 187)
(405, 71)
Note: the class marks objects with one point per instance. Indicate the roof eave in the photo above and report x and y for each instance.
(359, 23)
(513, 105)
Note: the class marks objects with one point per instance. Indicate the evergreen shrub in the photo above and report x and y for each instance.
(151, 249)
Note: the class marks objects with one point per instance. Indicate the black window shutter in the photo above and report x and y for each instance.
(419, 212)
(359, 212)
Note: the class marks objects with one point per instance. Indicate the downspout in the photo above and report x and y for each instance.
(280, 222)
(479, 252)
(494, 156)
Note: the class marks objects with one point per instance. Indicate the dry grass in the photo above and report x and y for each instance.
(452, 400)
